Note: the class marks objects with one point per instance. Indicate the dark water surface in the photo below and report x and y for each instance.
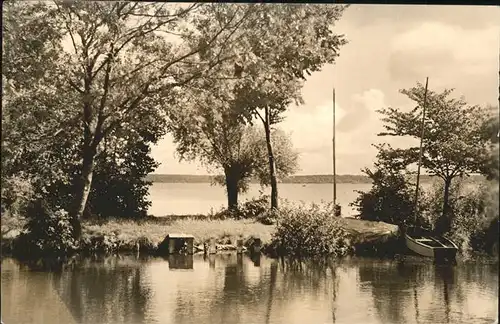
(237, 289)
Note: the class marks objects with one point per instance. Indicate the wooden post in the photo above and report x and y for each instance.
(334, 158)
(239, 245)
(171, 245)
(421, 145)
(256, 245)
(212, 248)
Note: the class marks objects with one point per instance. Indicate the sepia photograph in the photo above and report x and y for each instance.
(248, 163)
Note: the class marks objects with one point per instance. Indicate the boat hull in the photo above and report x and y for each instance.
(425, 244)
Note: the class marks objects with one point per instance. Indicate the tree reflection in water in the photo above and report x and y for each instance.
(106, 291)
(251, 294)
(391, 284)
(231, 289)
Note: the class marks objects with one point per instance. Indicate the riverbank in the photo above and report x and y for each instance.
(114, 236)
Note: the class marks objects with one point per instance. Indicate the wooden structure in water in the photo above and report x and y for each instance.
(256, 246)
(239, 246)
(179, 243)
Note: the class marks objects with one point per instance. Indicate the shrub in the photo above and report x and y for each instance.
(47, 232)
(474, 214)
(255, 208)
(16, 194)
(390, 200)
(303, 231)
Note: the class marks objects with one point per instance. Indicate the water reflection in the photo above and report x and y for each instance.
(111, 291)
(233, 289)
(180, 262)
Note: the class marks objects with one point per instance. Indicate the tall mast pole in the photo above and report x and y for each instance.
(421, 150)
(334, 166)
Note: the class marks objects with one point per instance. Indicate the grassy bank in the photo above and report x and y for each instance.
(127, 236)
(114, 236)
(150, 233)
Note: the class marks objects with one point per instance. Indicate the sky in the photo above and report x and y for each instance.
(390, 48)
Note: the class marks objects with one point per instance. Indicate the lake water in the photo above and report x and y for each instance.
(200, 198)
(236, 289)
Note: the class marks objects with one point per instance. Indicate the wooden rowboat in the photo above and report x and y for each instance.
(425, 243)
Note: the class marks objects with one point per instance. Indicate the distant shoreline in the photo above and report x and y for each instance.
(299, 179)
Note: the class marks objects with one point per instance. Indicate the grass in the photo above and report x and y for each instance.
(224, 231)
(124, 235)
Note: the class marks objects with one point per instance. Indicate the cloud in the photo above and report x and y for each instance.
(357, 126)
(164, 152)
(444, 51)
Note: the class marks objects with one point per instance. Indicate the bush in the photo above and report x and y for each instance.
(390, 200)
(255, 208)
(474, 214)
(119, 187)
(16, 194)
(309, 231)
(47, 232)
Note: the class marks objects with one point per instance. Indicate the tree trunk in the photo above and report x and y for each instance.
(444, 222)
(272, 164)
(232, 190)
(84, 188)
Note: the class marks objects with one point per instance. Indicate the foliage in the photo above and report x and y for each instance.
(453, 142)
(253, 148)
(474, 212)
(47, 232)
(210, 132)
(277, 46)
(119, 189)
(490, 132)
(119, 185)
(310, 231)
(391, 198)
(32, 146)
(256, 208)
(108, 70)
(16, 194)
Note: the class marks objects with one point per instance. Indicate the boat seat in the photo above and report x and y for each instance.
(424, 240)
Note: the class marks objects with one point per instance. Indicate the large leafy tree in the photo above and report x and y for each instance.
(453, 143)
(209, 130)
(33, 148)
(276, 51)
(121, 61)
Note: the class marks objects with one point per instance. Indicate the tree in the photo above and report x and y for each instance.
(123, 62)
(490, 132)
(453, 145)
(208, 129)
(390, 199)
(252, 162)
(33, 149)
(119, 186)
(277, 51)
